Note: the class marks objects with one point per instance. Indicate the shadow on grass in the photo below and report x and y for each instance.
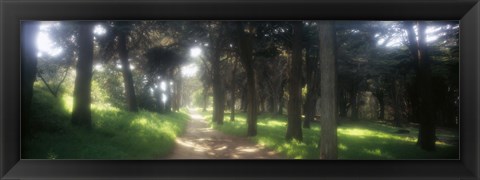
(357, 140)
(116, 134)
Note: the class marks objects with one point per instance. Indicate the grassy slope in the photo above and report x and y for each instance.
(116, 134)
(357, 140)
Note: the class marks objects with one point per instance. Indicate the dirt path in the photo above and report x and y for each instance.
(202, 142)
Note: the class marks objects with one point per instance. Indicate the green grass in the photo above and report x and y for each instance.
(356, 140)
(116, 134)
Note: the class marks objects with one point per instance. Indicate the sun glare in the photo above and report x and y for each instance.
(44, 42)
(99, 30)
(189, 70)
(195, 52)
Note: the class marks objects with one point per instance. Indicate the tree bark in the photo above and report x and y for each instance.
(246, 57)
(294, 123)
(29, 69)
(312, 72)
(205, 98)
(396, 104)
(243, 103)
(232, 104)
(381, 102)
(353, 103)
(328, 123)
(218, 91)
(426, 135)
(342, 103)
(81, 114)
(127, 73)
(178, 92)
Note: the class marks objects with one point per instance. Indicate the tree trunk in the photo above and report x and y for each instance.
(243, 103)
(294, 123)
(232, 104)
(158, 98)
(381, 103)
(127, 73)
(81, 114)
(309, 107)
(280, 104)
(29, 30)
(426, 135)
(205, 98)
(169, 97)
(328, 123)
(218, 91)
(396, 104)
(178, 93)
(342, 104)
(246, 57)
(353, 104)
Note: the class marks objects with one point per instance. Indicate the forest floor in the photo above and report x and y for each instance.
(200, 141)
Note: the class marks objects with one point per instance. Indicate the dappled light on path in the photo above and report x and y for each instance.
(202, 142)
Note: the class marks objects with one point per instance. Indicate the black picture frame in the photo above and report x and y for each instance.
(13, 11)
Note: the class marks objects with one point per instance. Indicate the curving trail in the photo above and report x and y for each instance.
(202, 142)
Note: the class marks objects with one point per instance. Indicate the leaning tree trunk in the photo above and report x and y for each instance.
(426, 135)
(294, 123)
(328, 123)
(127, 73)
(81, 114)
(29, 69)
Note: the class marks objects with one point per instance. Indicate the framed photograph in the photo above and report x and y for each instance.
(239, 89)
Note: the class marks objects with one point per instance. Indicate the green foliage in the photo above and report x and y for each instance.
(107, 86)
(357, 140)
(198, 98)
(116, 134)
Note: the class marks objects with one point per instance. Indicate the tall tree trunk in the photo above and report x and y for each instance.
(169, 97)
(342, 103)
(218, 91)
(280, 104)
(275, 104)
(205, 98)
(294, 123)
(29, 69)
(271, 104)
(396, 104)
(81, 114)
(381, 102)
(426, 135)
(178, 93)
(243, 103)
(251, 104)
(353, 103)
(246, 57)
(413, 47)
(328, 76)
(127, 73)
(309, 106)
(158, 98)
(232, 104)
